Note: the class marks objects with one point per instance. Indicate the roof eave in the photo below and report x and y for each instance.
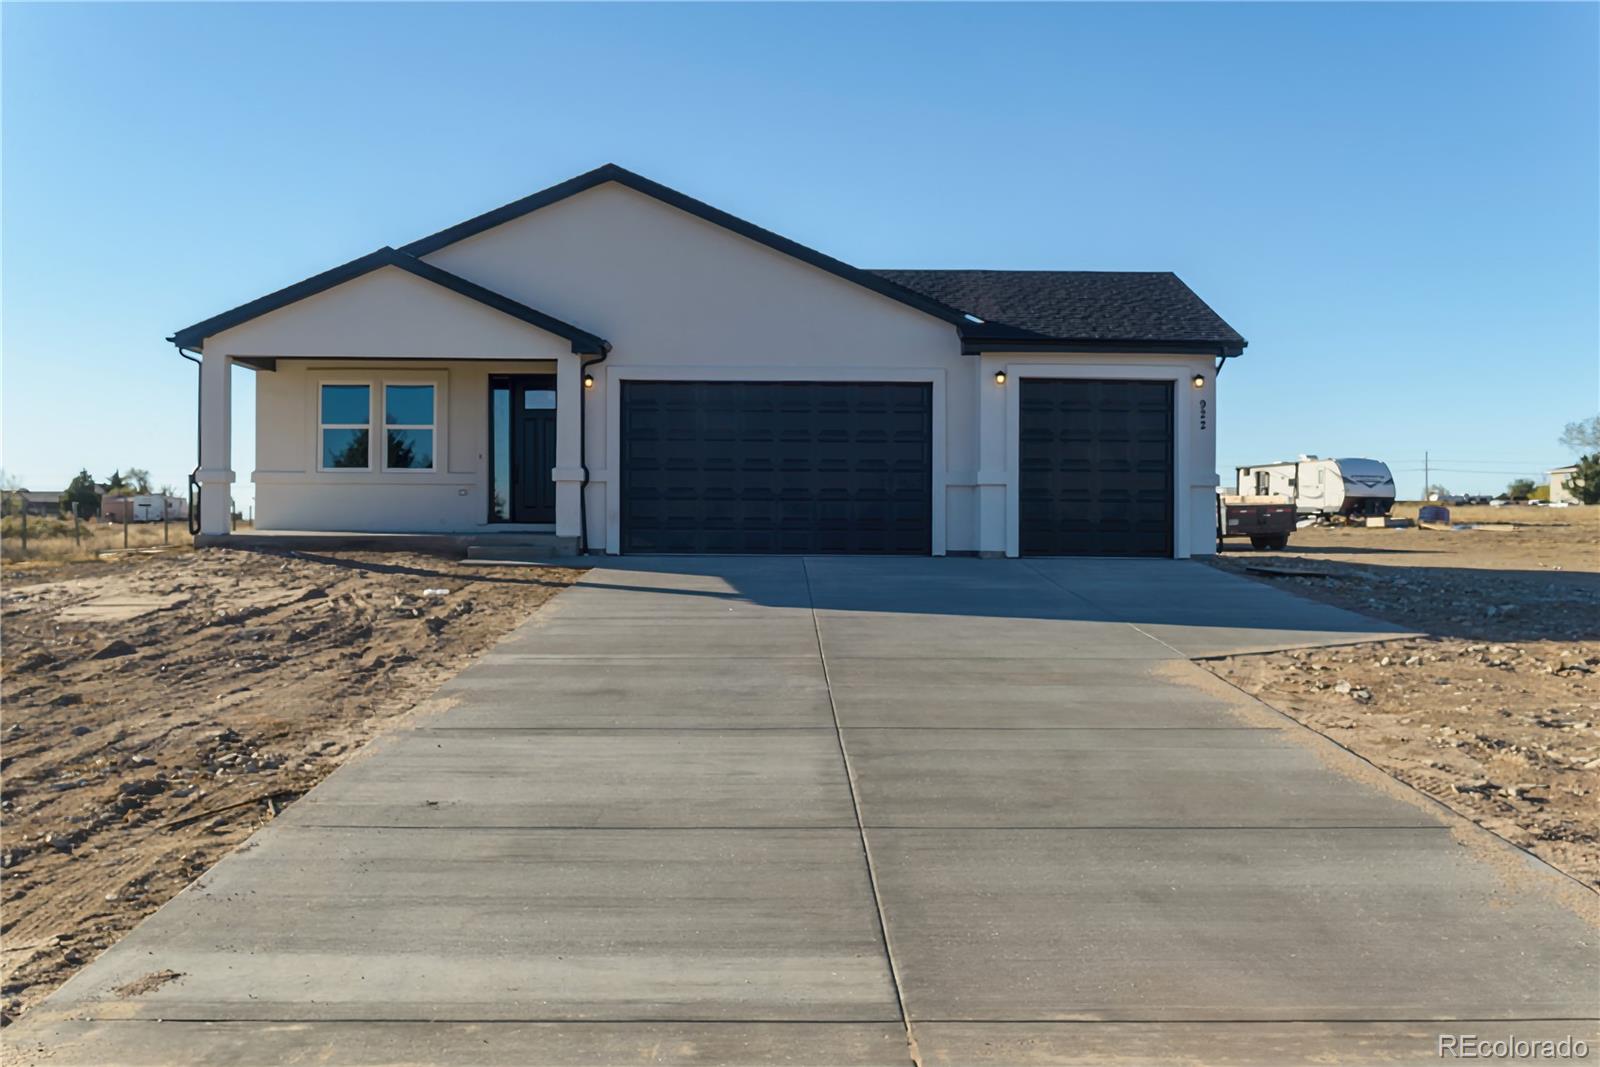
(972, 345)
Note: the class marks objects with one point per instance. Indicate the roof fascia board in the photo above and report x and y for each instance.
(698, 208)
(973, 346)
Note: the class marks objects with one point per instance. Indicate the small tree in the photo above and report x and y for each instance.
(83, 493)
(137, 480)
(12, 501)
(1582, 436)
(1584, 483)
(1520, 488)
(115, 486)
(1540, 492)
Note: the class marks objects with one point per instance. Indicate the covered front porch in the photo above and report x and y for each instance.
(396, 405)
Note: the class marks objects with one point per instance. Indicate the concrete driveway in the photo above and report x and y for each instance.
(799, 810)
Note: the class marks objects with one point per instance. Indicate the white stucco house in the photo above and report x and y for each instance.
(619, 367)
(1560, 491)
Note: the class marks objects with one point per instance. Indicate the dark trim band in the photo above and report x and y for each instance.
(975, 346)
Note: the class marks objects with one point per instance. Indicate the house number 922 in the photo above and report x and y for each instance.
(1202, 414)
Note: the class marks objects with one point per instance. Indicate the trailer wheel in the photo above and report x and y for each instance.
(1274, 541)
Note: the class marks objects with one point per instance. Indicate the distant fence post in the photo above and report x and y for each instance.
(24, 527)
(163, 517)
(77, 530)
(127, 519)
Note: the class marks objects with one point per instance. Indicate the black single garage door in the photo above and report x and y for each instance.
(768, 467)
(1095, 468)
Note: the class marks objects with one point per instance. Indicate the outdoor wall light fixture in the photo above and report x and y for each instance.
(588, 381)
(1199, 381)
(999, 377)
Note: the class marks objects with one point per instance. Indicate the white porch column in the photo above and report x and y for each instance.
(568, 472)
(216, 442)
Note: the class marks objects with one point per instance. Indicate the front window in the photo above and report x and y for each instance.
(346, 424)
(408, 416)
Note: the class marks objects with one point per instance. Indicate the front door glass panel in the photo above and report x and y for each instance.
(522, 438)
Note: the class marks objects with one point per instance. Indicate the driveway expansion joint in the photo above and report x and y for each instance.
(912, 1050)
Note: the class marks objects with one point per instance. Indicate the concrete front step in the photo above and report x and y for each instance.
(524, 549)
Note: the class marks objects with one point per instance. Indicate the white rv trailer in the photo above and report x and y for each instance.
(1323, 488)
(144, 508)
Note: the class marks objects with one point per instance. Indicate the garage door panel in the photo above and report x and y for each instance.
(1095, 467)
(777, 467)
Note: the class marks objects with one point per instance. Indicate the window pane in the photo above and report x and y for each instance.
(539, 400)
(344, 448)
(345, 403)
(410, 449)
(500, 430)
(408, 405)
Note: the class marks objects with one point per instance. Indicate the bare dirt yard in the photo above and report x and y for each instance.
(158, 709)
(1494, 712)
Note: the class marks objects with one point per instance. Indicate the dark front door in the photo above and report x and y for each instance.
(1095, 468)
(804, 467)
(523, 415)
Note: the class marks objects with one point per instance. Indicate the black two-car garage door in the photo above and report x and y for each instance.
(1095, 468)
(817, 467)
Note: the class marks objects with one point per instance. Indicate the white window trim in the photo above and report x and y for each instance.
(321, 426)
(433, 426)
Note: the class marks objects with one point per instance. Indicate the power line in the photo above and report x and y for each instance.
(1480, 470)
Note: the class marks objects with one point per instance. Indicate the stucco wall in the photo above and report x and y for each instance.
(671, 291)
(1559, 492)
(678, 297)
(1194, 437)
(292, 494)
(388, 313)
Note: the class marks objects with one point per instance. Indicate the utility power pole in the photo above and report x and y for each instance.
(1426, 482)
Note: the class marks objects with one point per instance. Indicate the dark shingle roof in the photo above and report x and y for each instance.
(1074, 305)
(1019, 309)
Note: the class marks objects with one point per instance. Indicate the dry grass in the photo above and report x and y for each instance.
(54, 540)
(1521, 514)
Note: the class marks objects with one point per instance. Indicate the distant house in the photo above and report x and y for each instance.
(1559, 492)
(32, 502)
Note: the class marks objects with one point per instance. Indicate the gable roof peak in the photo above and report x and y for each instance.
(612, 172)
(193, 337)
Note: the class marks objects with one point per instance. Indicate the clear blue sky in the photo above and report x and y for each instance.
(1395, 204)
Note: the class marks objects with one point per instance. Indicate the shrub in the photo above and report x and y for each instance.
(1584, 483)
